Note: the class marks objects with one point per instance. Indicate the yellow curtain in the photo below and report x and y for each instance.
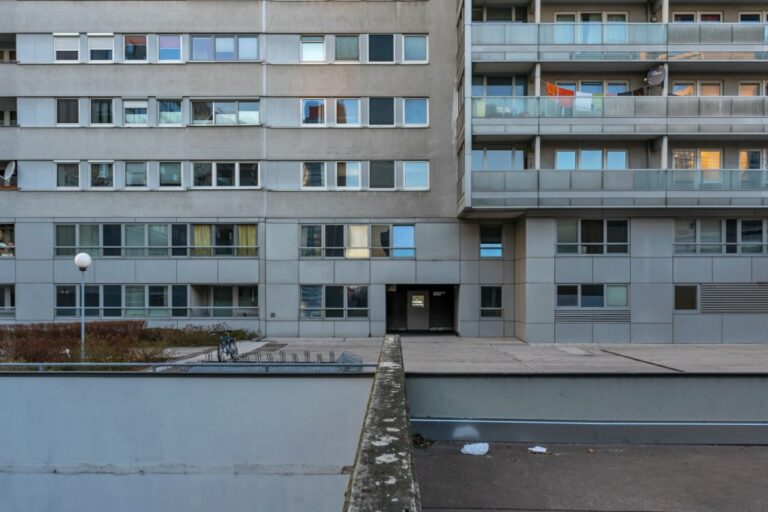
(357, 242)
(201, 239)
(246, 240)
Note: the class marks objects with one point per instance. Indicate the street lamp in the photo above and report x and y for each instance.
(82, 261)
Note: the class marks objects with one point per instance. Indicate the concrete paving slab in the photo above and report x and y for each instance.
(700, 358)
(580, 478)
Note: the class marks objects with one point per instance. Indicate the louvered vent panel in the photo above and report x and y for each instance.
(734, 298)
(598, 316)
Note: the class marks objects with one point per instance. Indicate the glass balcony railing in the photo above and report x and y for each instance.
(502, 107)
(630, 180)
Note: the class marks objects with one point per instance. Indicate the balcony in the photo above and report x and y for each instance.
(634, 42)
(645, 115)
(8, 175)
(620, 188)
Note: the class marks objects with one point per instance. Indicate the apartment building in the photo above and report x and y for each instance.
(555, 171)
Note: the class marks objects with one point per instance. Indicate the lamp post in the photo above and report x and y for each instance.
(82, 261)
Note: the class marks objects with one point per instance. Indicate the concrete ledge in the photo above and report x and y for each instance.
(383, 478)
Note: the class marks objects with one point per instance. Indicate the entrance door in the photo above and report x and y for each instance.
(418, 310)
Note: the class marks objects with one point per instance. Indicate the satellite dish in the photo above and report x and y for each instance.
(656, 76)
(9, 170)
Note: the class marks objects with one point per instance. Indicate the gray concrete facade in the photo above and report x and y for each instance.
(196, 147)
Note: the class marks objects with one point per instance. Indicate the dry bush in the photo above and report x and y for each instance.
(120, 341)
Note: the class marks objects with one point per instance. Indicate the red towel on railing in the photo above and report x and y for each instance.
(566, 95)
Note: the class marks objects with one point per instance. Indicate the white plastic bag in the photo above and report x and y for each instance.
(475, 449)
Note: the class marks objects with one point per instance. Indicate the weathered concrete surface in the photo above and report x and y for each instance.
(451, 354)
(594, 478)
(383, 478)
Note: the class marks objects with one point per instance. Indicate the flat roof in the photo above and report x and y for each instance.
(595, 478)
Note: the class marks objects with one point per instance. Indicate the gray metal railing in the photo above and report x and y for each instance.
(630, 180)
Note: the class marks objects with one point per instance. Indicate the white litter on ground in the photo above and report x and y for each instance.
(537, 449)
(475, 449)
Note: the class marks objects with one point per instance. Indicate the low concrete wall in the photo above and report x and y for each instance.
(178, 442)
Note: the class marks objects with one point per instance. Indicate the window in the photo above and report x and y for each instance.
(749, 89)
(100, 48)
(490, 242)
(135, 112)
(102, 175)
(750, 17)
(225, 112)
(169, 48)
(592, 236)
(593, 296)
(381, 111)
(170, 174)
(135, 301)
(334, 241)
(404, 241)
(112, 297)
(415, 112)
(67, 175)
(381, 48)
(313, 175)
(414, 48)
(357, 242)
(490, 302)
(66, 301)
(169, 112)
(225, 174)
(705, 236)
(313, 111)
(317, 302)
(590, 159)
(497, 159)
(67, 48)
(136, 48)
(348, 112)
(416, 175)
(67, 111)
(224, 47)
(686, 298)
(684, 17)
(311, 242)
(7, 244)
(224, 240)
(312, 49)
(347, 48)
(382, 174)
(101, 111)
(111, 237)
(348, 175)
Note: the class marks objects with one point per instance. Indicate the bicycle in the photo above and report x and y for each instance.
(227, 348)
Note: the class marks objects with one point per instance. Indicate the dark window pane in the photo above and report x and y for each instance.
(202, 112)
(731, 236)
(592, 296)
(490, 242)
(380, 241)
(334, 302)
(67, 111)
(567, 295)
(249, 174)
(101, 111)
(490, 296)
(92, 301)
(179, 239)
(112, 237)
(357, 301)
(135, 47)
(334, 241)
(685, 298)
(202, 174)
(225, 238)
(225, 175)
(113, 300)
(752, 236)
(382, 174)
(618, 236)
(179, 298)
(592, 236)
(66, 300)
(382, 111)
(381, 48)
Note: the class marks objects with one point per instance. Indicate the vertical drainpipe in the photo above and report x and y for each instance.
(537, 11)
(665, 11)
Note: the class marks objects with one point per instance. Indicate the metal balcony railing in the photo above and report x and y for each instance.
(629, 180)
(166, 312)
(498, 107)
(619, 34)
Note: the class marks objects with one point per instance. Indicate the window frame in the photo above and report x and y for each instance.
(336, 113)
(77, 110)
(62, 37)
(491, 251)
(160, 175)
(145, 186)
(323, 174)
(126, 60)
(236, 177)
(370, 110)
(8, 250)
(582, 248)
(95, 36)
(426, 49)
(322, 308)
(160, 123)
(160, 60)
(126, 103)
(359, 175)
(724, 245)
(394, 56)
(336, 48)
(111, 112)
(323, 122)
(697, 299)
(76, 163)
(426, 112)
(111, 164)
(580, 298)
(405, 174)
(302, 42)
(495, 313)
(394, 175)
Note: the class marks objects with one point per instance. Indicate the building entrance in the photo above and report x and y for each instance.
(421, 308)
